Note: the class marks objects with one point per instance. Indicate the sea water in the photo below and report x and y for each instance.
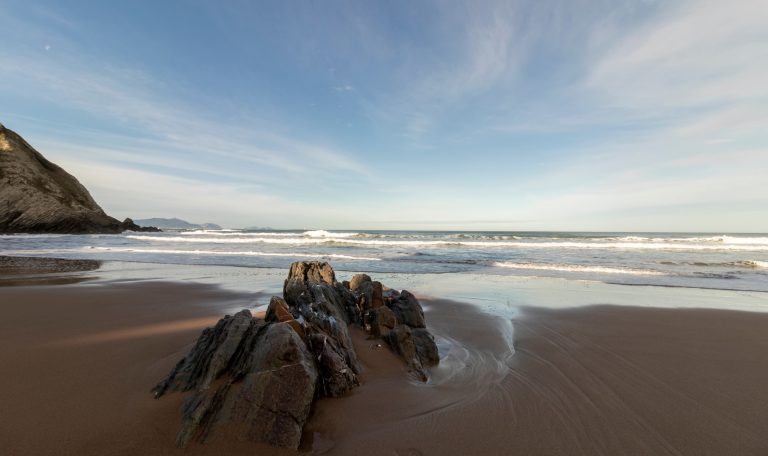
(692, 260)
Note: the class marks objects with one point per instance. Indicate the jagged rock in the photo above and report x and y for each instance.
(416, 346)
(426, 348)
(381, 321)
(369, 295)
(303, 274)
(325, 316)
(267, 376)
(347, 301)
(277, 310)
(400, 339)
(408, 310)
(259, 377)
(326, 308)
(377, 294)
(210, 355)
(199, 414)
(357, 280)
(389, 295)
(277, 389)
(336, 376)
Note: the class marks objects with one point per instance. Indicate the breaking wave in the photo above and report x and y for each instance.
(748, 264)
(722, 239)
(576, 268)
(324, 237)
(236, 253)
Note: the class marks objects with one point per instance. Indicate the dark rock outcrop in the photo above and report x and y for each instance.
(408, 310)
(260, 377)
(37, 196)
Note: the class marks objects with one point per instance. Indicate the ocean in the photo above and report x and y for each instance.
(692, 260)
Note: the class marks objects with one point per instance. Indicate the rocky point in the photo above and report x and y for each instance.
(37, 196)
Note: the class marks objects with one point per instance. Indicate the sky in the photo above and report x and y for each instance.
(601, 115)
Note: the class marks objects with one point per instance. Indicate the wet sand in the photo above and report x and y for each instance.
(599, 380)
(11, 266)
(16, 271)
(79, 362)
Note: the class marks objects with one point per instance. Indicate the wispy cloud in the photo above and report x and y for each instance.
(127, 98)
(467, 49)
(538, 113)
(697, 54)
(134, 193)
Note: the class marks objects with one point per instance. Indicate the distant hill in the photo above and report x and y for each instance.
(37, 196)
(176, 224)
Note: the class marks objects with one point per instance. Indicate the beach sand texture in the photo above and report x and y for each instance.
(79, 361)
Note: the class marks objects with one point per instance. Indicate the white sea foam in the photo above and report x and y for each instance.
(294, 241)
(279, 234)
(592, 245)
(576, 268)
(745, 240)
(187, 252)
(237, 233)
(328, 234)
(721, 239)
(232, 253)
(753, 264)
(644, 246)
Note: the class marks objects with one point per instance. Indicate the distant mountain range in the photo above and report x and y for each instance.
(176, 224)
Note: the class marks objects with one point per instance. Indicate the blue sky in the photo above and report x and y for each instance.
(517, 115)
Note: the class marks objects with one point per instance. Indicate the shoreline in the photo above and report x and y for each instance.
(494, 293)
(601, 379)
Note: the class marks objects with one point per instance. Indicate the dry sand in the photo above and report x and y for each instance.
(78, 362)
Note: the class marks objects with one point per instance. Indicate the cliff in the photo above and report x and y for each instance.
(37, 196)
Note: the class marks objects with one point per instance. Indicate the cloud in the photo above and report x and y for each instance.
(570, 113)
(179, 153)
(124, 192)
(130, 101)
(462, 51)
(695, 54)
(129, 97)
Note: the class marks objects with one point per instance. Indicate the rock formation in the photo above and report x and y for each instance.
(36, 196)
(260, 376)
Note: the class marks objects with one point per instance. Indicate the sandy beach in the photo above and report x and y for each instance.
(383, 228)
(79, 361)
